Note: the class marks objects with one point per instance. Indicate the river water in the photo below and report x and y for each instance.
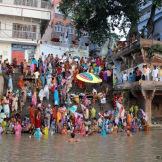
(141, 147)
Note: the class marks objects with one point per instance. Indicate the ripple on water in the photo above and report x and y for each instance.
(140, 147)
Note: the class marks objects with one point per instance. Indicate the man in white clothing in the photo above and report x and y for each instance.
(155, 73)
(46, 92)
(125, 77)
(41, 95)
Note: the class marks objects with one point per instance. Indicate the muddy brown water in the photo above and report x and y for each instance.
(141, 147)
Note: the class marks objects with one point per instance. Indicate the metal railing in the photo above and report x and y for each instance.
(30, 3)
(24, 34)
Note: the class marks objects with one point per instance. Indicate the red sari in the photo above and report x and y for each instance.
(38, 120)
(32, 115)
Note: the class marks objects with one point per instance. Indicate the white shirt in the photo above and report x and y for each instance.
(41, 94)
(36, 74)
(155, 73)
(46, 89)
(94, 91)
(125, 77)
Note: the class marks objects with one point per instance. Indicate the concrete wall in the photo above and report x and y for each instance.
(58, 50)
(5, 51)
(24, 11)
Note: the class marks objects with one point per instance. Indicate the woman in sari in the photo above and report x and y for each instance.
(56, 97)
(38, 120)
(34, 98)
(32, 115)
(10, 83)
(21, 82)
(17, 129)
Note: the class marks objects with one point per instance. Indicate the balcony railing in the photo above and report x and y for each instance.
(33, 3)
(30, 3)
(24, 34)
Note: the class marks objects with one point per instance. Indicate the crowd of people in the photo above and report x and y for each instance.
(49, 86)
(144, 73)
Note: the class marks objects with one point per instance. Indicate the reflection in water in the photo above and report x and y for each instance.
(0, 139)
(140, 147)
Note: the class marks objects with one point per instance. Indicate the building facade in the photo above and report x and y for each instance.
(145, 9)
(61, 36)
(22, 24)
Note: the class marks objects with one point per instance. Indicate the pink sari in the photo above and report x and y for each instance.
(34, 100)
(17, 129)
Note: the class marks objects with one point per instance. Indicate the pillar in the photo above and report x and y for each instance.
(148, 97)
(148, 107)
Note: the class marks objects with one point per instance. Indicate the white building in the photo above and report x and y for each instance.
(21, 24)
(145, 9)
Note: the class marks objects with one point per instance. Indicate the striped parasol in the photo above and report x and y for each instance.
(88, 78)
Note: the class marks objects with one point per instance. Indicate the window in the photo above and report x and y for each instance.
(70, 29)
(24, 31)
(59, 28)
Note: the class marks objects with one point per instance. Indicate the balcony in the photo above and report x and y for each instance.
(145, 85)
(30, 3)
(24, 34)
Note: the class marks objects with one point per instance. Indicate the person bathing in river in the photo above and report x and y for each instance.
(17, 128)
(73, 139)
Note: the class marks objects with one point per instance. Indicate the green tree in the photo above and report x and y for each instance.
(150, 23)
(101, 17)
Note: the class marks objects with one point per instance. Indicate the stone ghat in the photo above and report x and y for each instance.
(145, 85)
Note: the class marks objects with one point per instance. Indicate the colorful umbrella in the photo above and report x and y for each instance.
(88, 78)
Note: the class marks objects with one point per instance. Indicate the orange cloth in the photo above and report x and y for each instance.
(21, 83)
(129, 119)
(58, 116)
